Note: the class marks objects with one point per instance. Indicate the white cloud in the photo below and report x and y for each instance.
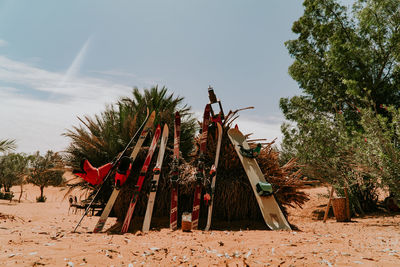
(3, 43)
(36, 109)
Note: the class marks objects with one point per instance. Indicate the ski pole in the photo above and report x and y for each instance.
(110, 171)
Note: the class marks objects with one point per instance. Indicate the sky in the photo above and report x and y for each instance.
(60, 60)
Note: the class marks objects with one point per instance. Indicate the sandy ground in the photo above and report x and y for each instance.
(40, 235)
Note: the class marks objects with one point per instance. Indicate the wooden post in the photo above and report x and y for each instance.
(329, 204)
(346, 193)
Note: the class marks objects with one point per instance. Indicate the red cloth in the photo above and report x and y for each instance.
(91, 174)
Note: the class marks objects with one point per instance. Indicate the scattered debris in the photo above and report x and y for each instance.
(326, 262)
(248, 254)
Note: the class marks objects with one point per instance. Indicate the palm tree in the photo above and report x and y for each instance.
(7, 144)
(165, 106)
(102, 137)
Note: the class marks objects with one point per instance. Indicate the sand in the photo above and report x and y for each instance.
(39, 234)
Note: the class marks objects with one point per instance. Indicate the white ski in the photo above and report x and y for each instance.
(154, 182)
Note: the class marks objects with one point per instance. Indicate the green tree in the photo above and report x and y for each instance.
(46, 171)
(340, 55)
(346, 63)
(13, 168)
(380, 153)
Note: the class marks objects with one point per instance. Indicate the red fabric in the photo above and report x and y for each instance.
(121, 177)
(93, 175)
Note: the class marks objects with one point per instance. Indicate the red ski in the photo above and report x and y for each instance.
(200, 168)
(139, 183)
(175, 174)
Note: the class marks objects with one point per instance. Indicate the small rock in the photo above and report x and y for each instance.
(326, 262)
(248, 254)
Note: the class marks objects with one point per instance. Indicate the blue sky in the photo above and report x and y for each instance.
(63, 59)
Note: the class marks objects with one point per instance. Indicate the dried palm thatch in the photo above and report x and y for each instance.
(234, 199)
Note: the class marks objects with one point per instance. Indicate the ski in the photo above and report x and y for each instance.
(173, 221)
(200, 168)
(113, 165)
(213, 176)
(139, 183)
(154, 182)
(110, 203)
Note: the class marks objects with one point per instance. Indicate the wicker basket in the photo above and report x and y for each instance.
(339, 209)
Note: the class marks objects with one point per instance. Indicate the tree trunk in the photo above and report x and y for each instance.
(41, 191)
(20, 195)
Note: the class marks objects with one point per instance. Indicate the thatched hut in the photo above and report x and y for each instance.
(234, 204)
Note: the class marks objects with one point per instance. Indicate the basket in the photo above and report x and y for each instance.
(339, 209)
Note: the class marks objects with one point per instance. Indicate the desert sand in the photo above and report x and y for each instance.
(40, 234)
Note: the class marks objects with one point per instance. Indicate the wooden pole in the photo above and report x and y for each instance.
(346, 193)
(329, 204)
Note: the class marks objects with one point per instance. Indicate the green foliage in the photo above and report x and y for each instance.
(101, 138)
(380, 154)
(165, 106)
(347, 64)
(340, 54)
(6, 145)
(46, 170)
(7, 195)
(13, 168)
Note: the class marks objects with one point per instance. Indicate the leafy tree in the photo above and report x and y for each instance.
(347, 64)
(340, 54)
(7, 144)
(46, 171)
(13, 168)
(380, 153)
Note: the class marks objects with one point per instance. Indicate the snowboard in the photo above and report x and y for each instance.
(213, 176)
(139, 183)
(173, 218)
(270, 210)
(110, 203)
(154, 182)
(200, 168)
